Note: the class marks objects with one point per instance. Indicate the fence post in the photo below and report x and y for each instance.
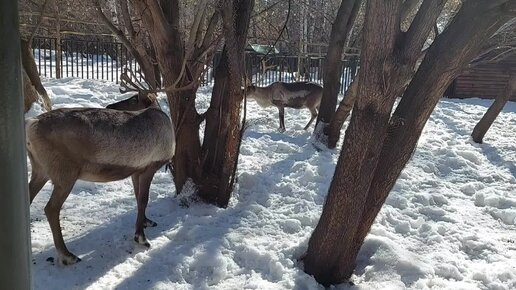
(59, 52)
(14, 209)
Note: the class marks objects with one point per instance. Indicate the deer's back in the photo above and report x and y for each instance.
(97, 137)
(296, 95)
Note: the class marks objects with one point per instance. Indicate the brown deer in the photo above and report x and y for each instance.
(295, 95)
(99, 145)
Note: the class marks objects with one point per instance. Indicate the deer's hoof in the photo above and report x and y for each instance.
(140, 239)
(69, 259)
(281, 130)
(149, 223)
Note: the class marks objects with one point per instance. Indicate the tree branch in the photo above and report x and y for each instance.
(118, 33)
(406, 9)
(126, 16)
(420, 27)
(40, 20)
(159, 20)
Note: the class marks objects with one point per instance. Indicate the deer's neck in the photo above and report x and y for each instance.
(263, 96)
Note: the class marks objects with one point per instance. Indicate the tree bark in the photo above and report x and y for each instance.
(360, 153)
(161, 20)
(223, 129)
(342, 114)
(340, 30)
(376, 146)
(446, 58)
(494, 110)
(410, 44)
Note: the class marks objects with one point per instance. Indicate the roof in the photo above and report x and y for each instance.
(262, 48)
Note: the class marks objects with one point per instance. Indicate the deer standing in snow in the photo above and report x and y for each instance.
(98, 145)
(295, 95)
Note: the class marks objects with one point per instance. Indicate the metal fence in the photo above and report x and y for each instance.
(107, 60)
(286, 68)
(81, 59)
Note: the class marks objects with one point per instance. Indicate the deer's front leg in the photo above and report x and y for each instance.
(281, 110)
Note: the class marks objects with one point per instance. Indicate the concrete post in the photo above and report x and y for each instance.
(15, 249)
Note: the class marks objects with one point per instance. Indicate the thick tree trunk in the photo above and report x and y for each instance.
(162, 22)
(494, 110)
(342, 114)
(376, 148)
(329, 241)
(444, 61)
(187, 159)
(344, 21)
(30, 68)
(223, 129)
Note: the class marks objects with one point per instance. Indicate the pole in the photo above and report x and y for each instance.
(15, 250)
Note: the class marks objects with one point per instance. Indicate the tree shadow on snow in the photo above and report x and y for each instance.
(493, 154)
(101, 250)
(205, 234)
(202, 232)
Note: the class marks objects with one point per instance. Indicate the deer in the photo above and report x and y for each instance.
(283, 95)
(133, 137)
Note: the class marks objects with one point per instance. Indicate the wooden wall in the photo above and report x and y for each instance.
(483, 81)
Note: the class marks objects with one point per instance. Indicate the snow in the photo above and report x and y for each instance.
(449, 222)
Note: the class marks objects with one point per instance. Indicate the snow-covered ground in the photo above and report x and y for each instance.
(449, 223)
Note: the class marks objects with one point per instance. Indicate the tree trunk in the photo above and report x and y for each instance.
(223, 129)
(360, 150)
(376, 148)
(344, 21)
(494, 110)
(30, 68)
(342, 113)
(446, 58)
(162, 22)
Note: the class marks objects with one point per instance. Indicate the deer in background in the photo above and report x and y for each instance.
(295, 95)
(98, 145)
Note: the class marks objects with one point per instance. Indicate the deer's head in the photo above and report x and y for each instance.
(141, 100)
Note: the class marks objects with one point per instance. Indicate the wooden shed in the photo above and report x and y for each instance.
(486, 80)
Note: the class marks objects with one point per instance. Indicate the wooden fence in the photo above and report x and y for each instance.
(483, 81)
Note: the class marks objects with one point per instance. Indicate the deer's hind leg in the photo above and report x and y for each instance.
(62, 187)
(136, 184)
(281, 110)
(144, 181)
(313, 112)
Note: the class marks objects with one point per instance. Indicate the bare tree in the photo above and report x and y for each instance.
(331, 132)
(494, 110)
(341, 28)
(133, 38)
(182, 55)
(499, 51)
(223, 132)
(377, 146)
